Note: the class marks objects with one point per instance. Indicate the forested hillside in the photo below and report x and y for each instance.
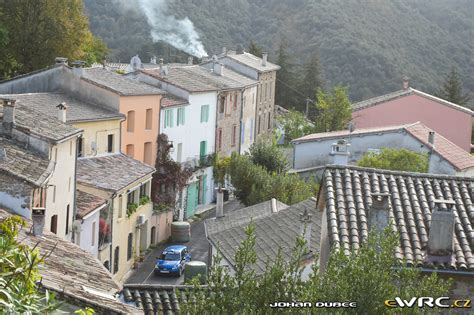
(367, 45)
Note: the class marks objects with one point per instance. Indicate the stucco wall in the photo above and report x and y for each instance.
(42, 81)
(15, 195)
(453, 124)
(141, 135)
(62, 187)
(226, 121)
(85, 237)
(317, 153)
(265, 103)
(97, 132)
(238, 67)
(248, 118)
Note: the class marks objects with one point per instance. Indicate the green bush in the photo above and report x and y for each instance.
(131, 209)
(144, 200)
(396, 160)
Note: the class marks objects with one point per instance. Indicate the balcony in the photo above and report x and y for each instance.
(198, 162)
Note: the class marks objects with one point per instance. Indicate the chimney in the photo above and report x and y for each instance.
(431, 135)
(190, 60)
(218, 68)
(38, 221)
(351, 127)
(264, 59)
(379, 212)
(441, 232)
(77, 67)
(8, 120)
(274, 205)
(60, 61)
(62, 109)
(406, 83)
(240, 50)
(220, 203)
(205, 59)
(163, 68)
(340, 151)
(305, 228)
(224, 51)
(153, 60)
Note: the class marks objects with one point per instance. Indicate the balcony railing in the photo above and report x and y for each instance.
(199, 161)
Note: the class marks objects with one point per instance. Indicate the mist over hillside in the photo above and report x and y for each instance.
(367, 45)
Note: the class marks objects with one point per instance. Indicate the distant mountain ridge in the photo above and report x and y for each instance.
(367, 45)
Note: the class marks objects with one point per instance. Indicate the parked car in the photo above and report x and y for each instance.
(173, 260)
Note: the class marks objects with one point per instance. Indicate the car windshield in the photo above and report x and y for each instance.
(170, 256)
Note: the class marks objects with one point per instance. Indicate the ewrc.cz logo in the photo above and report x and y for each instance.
(421, 302)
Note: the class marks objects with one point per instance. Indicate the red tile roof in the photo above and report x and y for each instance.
(456, 156)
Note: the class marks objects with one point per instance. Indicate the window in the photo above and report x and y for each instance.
(147, 152)
(269, 121)
(179, 154)
(202, 149)
(70, 147)
(131, 198)
(271, 95)
(93, 234)
(67, 220)
(242, 133)
(129, 150)
(235, 101)
(143, 190)
(169, 117)
(259, 123)
(129, 246)
(260, 92)
(204, 113)
(131, 121)
(120, 206)
(221, 104)
(54, 193)
(149, 118)
(234, 135)
(110, 143)
(180, 121)
(219, 139)
(69, 185)
(116, 259)
(80, 147)
(54, 224)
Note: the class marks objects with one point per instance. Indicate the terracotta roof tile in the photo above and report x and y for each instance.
(171, 100)
(74, 273)
(458, 157)
(87, 203)
(347, 193)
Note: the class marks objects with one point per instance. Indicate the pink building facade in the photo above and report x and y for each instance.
(408, 106)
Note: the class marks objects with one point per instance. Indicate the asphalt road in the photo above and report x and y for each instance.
(198, 247)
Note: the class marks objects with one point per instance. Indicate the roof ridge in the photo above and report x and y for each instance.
(393, 172)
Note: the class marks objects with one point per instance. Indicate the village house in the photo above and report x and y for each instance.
(140, 103)
(409, 105)
(191, 108)
(277, 226)
(129, 225)
(38, 166)
(432, 214)
(263, 71)
(76, 278)
(313, 152)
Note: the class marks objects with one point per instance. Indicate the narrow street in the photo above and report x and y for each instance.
(198, 247)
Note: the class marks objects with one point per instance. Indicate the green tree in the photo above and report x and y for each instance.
(19, 273)
(254, 184)
(47, 29)
(255, 49)
(366, 276)
(334, 110)
(269, 156)
(295, 125)
(285, 78)
(312, 80)
(452, 89)
(396, 159)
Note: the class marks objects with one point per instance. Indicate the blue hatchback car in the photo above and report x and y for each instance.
(172, 260)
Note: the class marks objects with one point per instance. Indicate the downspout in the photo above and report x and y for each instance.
(111, 262)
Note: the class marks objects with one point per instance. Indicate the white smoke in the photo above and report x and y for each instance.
(180, 34)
